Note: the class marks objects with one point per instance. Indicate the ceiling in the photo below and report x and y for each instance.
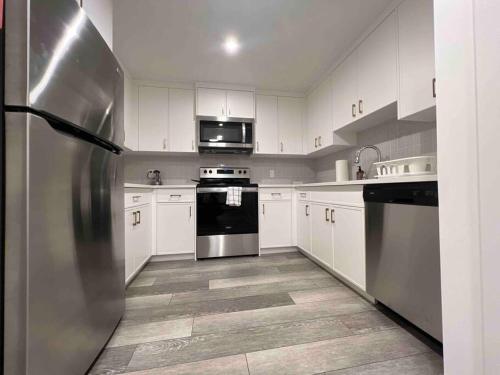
(285, 44)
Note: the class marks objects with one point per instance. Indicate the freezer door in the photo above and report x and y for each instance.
(57, 56)
(64, 249)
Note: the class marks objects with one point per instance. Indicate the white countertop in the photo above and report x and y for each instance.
(166, 186)
(386, 180)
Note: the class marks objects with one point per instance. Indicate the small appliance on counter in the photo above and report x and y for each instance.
(226, 225)
(154, 177)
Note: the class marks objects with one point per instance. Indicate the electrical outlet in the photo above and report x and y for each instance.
(271, 173)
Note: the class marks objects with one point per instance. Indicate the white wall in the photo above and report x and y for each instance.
(181, 169)
(100, 13)
(467, 34)
(396, 139)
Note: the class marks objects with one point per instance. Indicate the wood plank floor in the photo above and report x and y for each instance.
(275, 314)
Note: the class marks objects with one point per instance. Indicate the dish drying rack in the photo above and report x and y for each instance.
(414, 166)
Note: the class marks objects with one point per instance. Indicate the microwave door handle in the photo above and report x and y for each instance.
(243, 133)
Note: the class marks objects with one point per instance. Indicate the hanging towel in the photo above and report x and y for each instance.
(233, 196)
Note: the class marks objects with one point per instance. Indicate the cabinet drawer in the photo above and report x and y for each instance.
(303, 195)
(275, 194)
(175, 195)
(137, 197)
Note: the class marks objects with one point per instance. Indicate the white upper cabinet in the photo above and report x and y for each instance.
(345, 92)
(181, 123)
(130, 121)
(320, 122)
(365, 83)
(211, 102)
(153, 118)
(240, 104)
(266, 125)
(416, 61)
(290, 125)
(377, 68)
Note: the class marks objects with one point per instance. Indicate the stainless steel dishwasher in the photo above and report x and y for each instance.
(402, 251)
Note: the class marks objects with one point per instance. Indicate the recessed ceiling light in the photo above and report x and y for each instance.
(231, 45)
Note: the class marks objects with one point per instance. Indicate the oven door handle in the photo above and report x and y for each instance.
(202, 190)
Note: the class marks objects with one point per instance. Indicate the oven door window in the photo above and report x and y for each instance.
(224, 132)
(214, 217)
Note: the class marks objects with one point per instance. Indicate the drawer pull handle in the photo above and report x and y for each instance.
(136, 198)
(139, 217)
(134, 214)
(176, 196)
(332, 216)
(307, 210)
(327, 211)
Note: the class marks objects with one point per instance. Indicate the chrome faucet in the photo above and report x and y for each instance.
(358, 153)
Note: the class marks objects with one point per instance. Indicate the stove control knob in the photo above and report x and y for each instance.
(245, 172)
(205, 171)
(239, 172)
(210, 171)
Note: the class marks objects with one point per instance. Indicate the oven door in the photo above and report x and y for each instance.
(217, 134)
(224, 230)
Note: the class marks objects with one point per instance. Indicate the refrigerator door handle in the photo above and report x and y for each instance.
(67, 127)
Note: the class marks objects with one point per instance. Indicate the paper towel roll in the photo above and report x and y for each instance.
(342, 170)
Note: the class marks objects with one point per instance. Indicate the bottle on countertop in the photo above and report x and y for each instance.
(360, 174)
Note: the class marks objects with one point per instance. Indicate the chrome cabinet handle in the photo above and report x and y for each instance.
(319, 141)
(135, 198)
(175, 196)
(192, 145)
(315, 142)
(307, 210)
(222, 110)
(164, 143)
(135, 218)
(190, 212)
(229, 111)
(332, 218)
(263, 209)
(281, 146)
(276, 195)
(257, 145)
(327, 211)
(139, 217)
(360, 106)
(354, 110)
(434, 87)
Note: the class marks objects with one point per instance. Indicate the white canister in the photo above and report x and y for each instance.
(342, 170)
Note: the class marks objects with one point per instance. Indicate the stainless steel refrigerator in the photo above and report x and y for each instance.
(63, 245)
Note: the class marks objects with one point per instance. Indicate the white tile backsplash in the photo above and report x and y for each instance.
(396, 139)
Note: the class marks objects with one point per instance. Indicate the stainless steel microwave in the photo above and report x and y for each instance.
(225, 137)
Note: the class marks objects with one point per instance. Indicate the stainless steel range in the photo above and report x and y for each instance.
(223, 229)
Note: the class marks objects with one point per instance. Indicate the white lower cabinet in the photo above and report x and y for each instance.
(322, 233)
(175, 228)
(304, 226)
(349, 244)
(138, 244)
(275, 222)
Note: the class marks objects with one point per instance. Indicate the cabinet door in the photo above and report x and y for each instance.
(324, 116)
(240, 104)
(416, 60)
(304, 226)
(266, 125)
(130, 242)
(130, 121)
(175, 228)
(322, 233)
(275, 224)
(290, 125)
(181, 122)
(349, 240)
(345, 92)
(144, 234)
(211, 102)
(377, 68)
(153, 118)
